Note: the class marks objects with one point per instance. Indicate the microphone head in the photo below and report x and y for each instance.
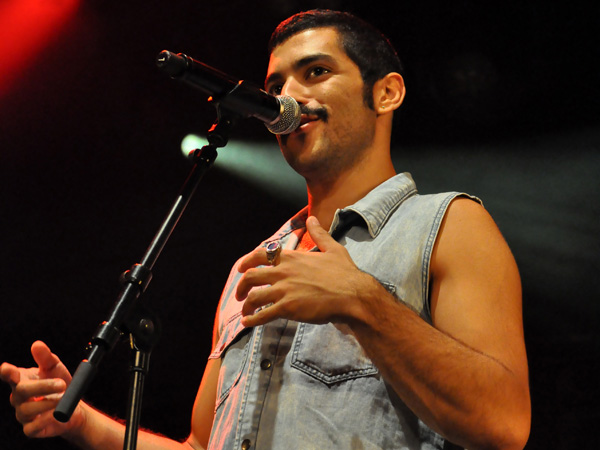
(289, 117)
(172, 64)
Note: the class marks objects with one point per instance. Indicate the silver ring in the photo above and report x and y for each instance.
(273, 251)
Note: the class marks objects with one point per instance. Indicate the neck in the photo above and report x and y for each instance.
(327, 196)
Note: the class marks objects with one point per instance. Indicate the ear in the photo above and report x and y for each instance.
(388, 93)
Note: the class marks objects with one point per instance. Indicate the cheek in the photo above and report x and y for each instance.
(347, 101)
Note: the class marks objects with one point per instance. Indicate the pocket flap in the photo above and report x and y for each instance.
(231, 331)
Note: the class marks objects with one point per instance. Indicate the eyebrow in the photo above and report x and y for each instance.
(301, 63)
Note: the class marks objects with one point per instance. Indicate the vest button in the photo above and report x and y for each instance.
(265, 364)
(246, 444)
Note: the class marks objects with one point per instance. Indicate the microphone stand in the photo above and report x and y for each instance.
(129, 317)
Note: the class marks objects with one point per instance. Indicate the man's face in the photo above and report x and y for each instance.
(337, 127)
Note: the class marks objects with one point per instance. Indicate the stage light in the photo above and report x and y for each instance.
(26, 27)
(258, 162)
(192, 142)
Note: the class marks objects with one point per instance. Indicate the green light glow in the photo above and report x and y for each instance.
(258, 162)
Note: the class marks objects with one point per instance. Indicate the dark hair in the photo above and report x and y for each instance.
(366, 46)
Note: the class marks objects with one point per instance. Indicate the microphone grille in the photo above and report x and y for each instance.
(289, 118)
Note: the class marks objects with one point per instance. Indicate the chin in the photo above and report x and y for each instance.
(295, 148)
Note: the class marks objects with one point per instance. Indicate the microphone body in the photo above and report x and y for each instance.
(281, 115)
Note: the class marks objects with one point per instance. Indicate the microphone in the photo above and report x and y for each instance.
(281, 115)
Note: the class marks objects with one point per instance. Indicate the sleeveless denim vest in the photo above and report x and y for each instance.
(297, 385)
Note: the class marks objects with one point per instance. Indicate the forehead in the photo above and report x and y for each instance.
(308, 43)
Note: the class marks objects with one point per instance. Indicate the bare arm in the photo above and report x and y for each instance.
(37, 390)
(103, 432)
(98, 431)
(466, 376)
(204, 406)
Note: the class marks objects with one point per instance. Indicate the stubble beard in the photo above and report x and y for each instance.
(330, 158)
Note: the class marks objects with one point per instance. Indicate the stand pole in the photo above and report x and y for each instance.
(135, 282)
(129, 317)
(139, 368)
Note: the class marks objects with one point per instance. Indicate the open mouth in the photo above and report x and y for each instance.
(306, 119)
(310, 115)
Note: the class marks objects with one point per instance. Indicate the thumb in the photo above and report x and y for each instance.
(319, 236)
(47, 361)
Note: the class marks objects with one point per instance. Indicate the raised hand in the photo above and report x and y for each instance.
(312, 287)
(36, 392)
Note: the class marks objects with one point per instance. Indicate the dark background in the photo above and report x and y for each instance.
(502, 103)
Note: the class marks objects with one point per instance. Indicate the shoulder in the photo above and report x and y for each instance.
(471, 253)
(445, 214)
(467, 230)
(466, 224)
(464, 214)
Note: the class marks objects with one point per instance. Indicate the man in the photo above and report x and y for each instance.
(399, 328)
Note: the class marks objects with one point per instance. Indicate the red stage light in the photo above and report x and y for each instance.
(26, 27)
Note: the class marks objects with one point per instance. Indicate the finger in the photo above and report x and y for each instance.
(252, 260)
(319, 235)
(41, 426)
(259, 298)
(254, 278)
(28, 389)
(10, 374)
(261, 317)
(27, 411)
(45, 359)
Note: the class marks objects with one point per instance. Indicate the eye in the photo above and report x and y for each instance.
(317, 72)
(276, 89)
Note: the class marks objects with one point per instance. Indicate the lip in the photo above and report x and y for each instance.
(306, 121)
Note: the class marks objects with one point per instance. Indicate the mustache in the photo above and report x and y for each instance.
(319, 112)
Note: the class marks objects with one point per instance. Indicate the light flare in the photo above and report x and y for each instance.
(26, 28)
(261, 163)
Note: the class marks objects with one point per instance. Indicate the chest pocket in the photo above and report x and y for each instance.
(233, 349)
(329, 354)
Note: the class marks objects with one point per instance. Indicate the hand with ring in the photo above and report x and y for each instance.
(311, 287)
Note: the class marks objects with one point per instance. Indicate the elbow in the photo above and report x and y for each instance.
(516, 438)
(507, 430)
(513, 439)
(510, 437)
(513, 431)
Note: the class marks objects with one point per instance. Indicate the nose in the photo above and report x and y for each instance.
(294, 89)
